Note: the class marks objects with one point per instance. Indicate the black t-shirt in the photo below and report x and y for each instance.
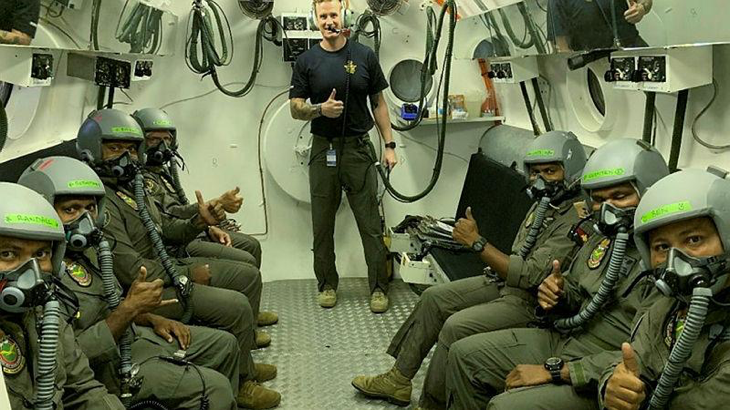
(588, 24)
(317, 72)
(21, 15)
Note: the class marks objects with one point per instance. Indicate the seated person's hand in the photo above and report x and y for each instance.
(170, 330)
(143, 296)
(211, 212)
(220, 236)
(231, 201)
(551, 289)
(466, 231)
(201, 274)
(625, 390)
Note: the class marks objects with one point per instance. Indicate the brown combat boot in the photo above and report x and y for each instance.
(263, 339)
(267, 318)
(264, 372)
(252, 395)
(391, 386)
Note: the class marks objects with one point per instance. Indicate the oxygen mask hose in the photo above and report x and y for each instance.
(182, 284)
(604, 291)
(531, 237)
(175, 174)
(50, 326)
(682, 350)
(106, 262)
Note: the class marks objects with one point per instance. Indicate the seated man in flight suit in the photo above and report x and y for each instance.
(110, 141)
(678, 356)
(595, 301)
(78, 196)
(553, 162)
(32, 245)
(161, 181)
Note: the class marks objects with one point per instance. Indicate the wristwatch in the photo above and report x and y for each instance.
(479, 244)
(554, 365)
(390, 145)
(319, 109)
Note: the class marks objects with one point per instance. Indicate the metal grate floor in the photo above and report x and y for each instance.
(318, 351)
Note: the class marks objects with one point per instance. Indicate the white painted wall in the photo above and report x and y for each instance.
(219, 134)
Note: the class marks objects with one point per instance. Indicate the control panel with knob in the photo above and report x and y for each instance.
(662, 70)
(513, 71)
(28, 66)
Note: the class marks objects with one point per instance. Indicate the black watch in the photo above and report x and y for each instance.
(554, 365)
(479, 244)
(390, 145)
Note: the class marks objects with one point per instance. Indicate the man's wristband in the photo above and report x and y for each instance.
(390, 145)
(319, 109)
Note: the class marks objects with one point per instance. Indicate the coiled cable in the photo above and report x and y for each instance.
(182, 284)
(604, 291)
(142, 29)
(682, 350)
(50, 328)
(175, 174)
(109, 283)
(531, 237)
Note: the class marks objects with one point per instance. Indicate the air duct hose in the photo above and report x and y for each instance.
(604, 291)
(143, 26)
(183, 286)
(531, 237)
(448, 5)
(3, 125)
(50, 326)
(176, 182)
(682, 350)
(108, 279)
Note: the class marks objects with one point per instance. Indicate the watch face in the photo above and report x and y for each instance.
(553, 361)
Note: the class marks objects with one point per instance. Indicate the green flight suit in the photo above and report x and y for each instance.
(705, 381)
(244, 248)
(478, 365)
(76, 388)
(132, 248)
(451, 311)
(215, 351)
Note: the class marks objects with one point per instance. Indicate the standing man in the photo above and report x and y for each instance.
(338, 76)
(575, 25)
(18, 21)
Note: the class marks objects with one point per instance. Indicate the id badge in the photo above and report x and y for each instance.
(331, 158)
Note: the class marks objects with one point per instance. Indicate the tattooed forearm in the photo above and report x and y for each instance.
(300, 110)
(17, 38)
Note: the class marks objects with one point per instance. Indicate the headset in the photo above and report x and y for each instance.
(346, 15)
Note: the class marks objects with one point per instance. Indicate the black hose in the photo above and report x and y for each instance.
(649, 109)
(94, 31)
(182, 284)
(110, 98)
(531, 237)
(179, 191)
(608, 285)
(528, 104)
(148, 404)
(101, 93)
(448, 4)
(541, 105)
(678, 129)
(109, 283)
(3, 125)
(682, 350)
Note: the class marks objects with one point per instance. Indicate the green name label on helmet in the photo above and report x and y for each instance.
(604, 173)
(126, 130)
(31, 219)
(541, 153)
(84, 184)
(162, 123)
(666, 209)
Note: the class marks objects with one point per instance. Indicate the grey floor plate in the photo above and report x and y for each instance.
(318, 351)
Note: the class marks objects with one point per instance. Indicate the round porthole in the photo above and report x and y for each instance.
(405, 81)
(591, 98)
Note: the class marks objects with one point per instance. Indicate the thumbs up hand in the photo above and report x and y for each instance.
(625, 390)
(466, 231)
(332, 108)
(635, 12)
(551, 289)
